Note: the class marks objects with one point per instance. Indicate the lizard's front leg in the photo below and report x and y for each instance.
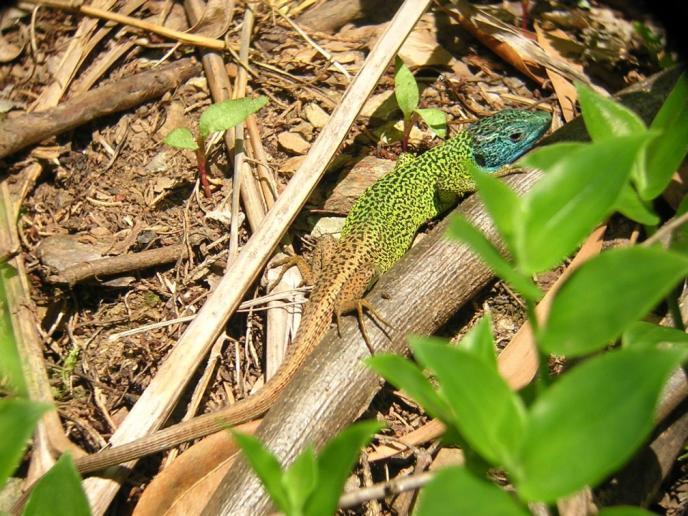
(322, 254)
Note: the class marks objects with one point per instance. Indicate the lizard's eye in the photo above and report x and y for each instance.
(515, 137)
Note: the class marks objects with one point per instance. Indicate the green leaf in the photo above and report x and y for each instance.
(633, 207)
(406, 375)
(181, 138)
(58, 492)
(591, 421)
(645, 335)
(480, 342)
(487, 413)
(501, 203)
(18, 418)
(227, 114)
(461, 229)
(405, 88)
(549, 156)
(576, 195)
(605, 118)
(10, 364)
(335, 463)
(436, 120)
(300, 479)
(679, 236)
(266, 466)
(455, 491)
(606, 294)
(624, 510)
(666, 153)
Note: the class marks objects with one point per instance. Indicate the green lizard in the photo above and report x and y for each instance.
(377, 232)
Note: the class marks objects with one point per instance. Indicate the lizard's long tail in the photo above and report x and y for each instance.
(316, 320)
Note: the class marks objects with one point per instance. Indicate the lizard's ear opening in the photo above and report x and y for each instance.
(479, 160)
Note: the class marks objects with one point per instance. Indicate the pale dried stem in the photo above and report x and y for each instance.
(240, 165)
(328, 57)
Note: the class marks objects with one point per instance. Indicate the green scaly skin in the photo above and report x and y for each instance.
(377, 232)
(389, 213)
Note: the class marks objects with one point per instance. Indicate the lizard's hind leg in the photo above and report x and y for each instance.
(351, 299)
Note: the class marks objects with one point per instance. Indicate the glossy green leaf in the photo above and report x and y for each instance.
(480, 342)
(18, 417)
(461, 229)
(436, 120)
(575, 196)
(227, 114)
(181, 138)
(591, 421)
(300, 479)
(501, 203)
(666, 153)
(455, 491)
(58, 492)
(405, 88)
(645, 335)
(406, 375)
(606, 294)
(624, 510)
(266, 467)
(630, 205)
(605, 118)
(487, 413)
(335, 463)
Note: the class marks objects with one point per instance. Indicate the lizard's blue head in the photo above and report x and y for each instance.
(502, 138)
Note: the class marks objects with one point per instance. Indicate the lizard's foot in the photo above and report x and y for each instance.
(289, 261)
(359, 305)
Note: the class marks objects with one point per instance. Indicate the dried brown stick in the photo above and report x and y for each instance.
(385, 489)
(24, 130)
(113, 265)
(257, 152)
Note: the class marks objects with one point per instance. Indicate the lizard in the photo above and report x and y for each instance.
(377, 232)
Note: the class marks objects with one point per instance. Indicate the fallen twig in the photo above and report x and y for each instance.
(24, 130)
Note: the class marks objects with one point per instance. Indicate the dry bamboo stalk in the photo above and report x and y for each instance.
(158, 400)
